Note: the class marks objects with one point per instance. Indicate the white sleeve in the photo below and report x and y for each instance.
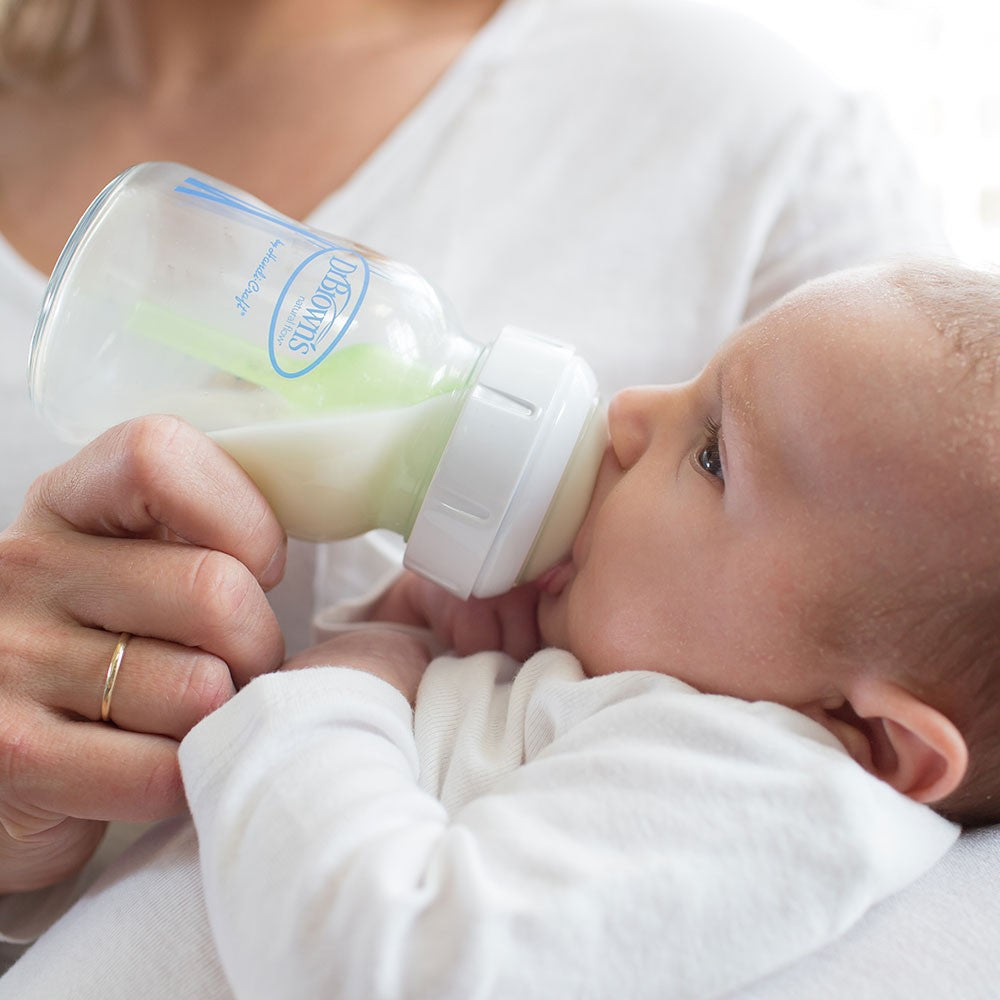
(650, 844)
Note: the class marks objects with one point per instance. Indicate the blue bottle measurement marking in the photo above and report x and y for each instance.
(340, 289)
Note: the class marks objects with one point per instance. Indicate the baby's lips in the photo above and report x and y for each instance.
(554, 579)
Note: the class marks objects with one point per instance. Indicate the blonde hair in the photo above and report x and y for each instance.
(39, 39)
(935, 624)
(964, 306)
(939, 625)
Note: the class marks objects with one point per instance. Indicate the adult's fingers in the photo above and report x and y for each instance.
(86, 560)
(159, 688)
(61, 779)
(179, 593)
(35, 859)
(155, 474)
(56, 767)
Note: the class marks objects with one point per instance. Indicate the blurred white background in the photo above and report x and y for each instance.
(935, 64)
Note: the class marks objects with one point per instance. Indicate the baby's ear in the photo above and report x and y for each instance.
(901, 739)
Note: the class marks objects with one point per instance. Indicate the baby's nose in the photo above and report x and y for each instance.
(630, 422)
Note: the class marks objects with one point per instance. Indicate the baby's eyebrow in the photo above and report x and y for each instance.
(731, 389)
(735, 388)
(769, 427)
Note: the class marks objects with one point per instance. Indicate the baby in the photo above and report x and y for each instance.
(774, 646)
(815, 521)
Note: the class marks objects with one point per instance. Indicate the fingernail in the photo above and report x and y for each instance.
(275, 568)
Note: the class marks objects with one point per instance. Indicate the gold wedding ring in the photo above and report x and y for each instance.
(112, 675)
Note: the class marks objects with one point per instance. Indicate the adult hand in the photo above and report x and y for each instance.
(507, 623)
(399, 658)
(150, 530)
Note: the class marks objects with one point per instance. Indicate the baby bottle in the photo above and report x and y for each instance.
(339, 379)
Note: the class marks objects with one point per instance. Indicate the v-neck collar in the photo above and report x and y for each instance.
(413, 138)
(419, 132)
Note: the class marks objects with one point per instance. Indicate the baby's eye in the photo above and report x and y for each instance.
(710, 461)
(709, 456)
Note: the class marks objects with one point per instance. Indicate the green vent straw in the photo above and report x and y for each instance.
(357, 375)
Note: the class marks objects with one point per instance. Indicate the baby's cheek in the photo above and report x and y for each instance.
(595, 640)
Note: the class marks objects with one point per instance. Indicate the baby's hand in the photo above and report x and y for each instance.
(507, 623)
(397, 657)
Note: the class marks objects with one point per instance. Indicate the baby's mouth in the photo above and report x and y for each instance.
(554, 580)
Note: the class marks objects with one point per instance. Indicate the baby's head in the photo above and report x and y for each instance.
(815, 520)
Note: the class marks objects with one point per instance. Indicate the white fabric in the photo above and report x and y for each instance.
(546, 836)
(940, 938)
(632, 175)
